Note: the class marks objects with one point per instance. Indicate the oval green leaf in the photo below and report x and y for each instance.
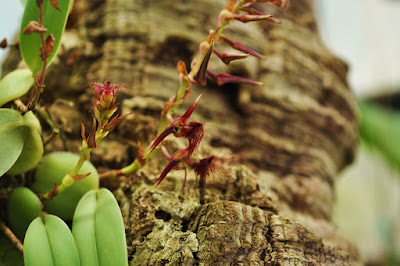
(48, 241)
(98, 230)
(54, 21)
(23, 207)
(15, 84)
(15, 130)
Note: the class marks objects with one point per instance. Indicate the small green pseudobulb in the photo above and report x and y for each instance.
(51, 170)
(23, 207)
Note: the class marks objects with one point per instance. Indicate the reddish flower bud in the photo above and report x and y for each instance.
(201, 76)
(241, 47)
(223, 78)
(249, 18)
(105, 96)
(115, 122)
(91, 139)
(228, 57)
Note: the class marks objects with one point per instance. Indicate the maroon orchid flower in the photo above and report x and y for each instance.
(180, 128)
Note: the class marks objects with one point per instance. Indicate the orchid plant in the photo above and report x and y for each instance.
(66, 185)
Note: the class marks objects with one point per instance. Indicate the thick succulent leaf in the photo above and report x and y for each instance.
(54, 21)
(14, 130)
(15, 84)
(23, 207)
(48, 241)
(98, 230)
(11, 145)
(21, 146)
(51, 170)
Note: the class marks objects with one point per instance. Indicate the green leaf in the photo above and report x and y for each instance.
(48, 241)
(23, 2)
(54, 22)
(17, 130)
(15, 84)
(380, 128)
(23, 207)
(98, 230)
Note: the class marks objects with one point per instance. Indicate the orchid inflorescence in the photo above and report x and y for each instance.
(242, 11)
(104, 107)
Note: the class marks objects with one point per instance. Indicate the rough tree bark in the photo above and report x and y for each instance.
(273, 203)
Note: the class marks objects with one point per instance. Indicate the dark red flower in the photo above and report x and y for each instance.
(179, 127)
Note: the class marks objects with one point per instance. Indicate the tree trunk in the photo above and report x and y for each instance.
(272, 203)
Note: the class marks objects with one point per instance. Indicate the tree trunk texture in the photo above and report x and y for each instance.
(287, 140)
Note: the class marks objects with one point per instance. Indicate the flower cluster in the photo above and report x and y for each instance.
(192, 131)
(240, 10)
(104, 107)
